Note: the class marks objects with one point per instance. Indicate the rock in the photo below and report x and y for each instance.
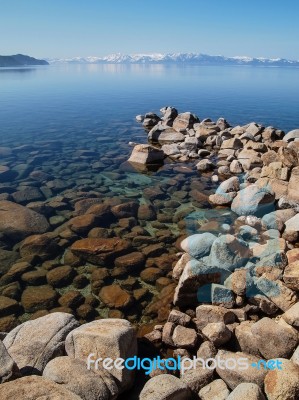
(73, 375)
(288, 157)
(184, 121)
(39, 245)
(205, 165)
(36, 298)
(253, 201)
(222, 199)
(246, 391)
(295, 357)
(114, 296)
(131, 262)
(125, 210)
(34, 343)
(60, 276)
(170, 149)
(179, 318)
(291, 316)
(34, 388)
(229, 252)
(292, 224)
(17, 222)
(197, 378)
(169, 136)
(229, 185)
(276, 219)
(165, 387)
(292, 135)
(100, 251)
(180, 265)
(184, 338)
(277, 292)
(145, 154)
(246, 340)
(233, 143)
(283, 384)
(291, 275)
(198, 245)
(236, 167)
(217, 333)
(196, 274)
(292, 194)
(207, 314)
(8, 306)
(112, 338)
(216, 390)
(146, 212)
(8, 368)
(206, 350)
(274, 340)
(233, 372)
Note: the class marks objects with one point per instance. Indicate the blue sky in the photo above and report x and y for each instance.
(67, 28)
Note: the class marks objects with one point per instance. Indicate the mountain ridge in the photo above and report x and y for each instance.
(20, 60)
(175, 58)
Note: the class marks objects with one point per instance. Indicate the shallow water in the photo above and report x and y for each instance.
(76, 121)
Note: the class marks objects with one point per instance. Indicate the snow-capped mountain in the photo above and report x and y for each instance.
(175, 58)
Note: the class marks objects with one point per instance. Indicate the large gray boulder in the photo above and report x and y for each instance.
(8, 368)
(73, 375)
(18, 222)
(165, 387)
(249, 391)
(105, 338)
(35, 388)
(198, 245)
(253, 200)
(34, 343)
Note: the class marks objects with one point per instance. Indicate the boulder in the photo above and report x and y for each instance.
(207, 314)
(145, 154)
(292, 135)
(113, 296)
(292, 224)
(36, 298)
(34, 343)
(184, 338)
(229, 185)
(291, 275)
(198, 245)
(291, 316)
(293, 193)
(283, 384)
(216, 390)
(73, 375)
(35, 388)
(217, 333)
(165, 387)
(106, 338)
(229, 252)
(17, 222)
(253, 200)
(184, 121)
(8, 368)
(274, 340)
(179, 318)
(196, 378)
(249, 391)
(169, 136)
(43, 246)
(233, 371)
(100, 251)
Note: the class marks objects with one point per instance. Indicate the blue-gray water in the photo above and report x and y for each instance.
(77, 120)
(80, 99)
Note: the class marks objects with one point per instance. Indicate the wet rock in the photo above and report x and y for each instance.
(283, 384)
(114, 296)
(274, 340)
(145, 154)
(43, 246)
(253, 201)
(164, 387)
(8, 306)
(131, 262)
(151, 274)
(60, 276)
(34, 343)
(18, 222)
(216, 390)
(36, 298)
(233, 372)
(99, 251)
(111, 338)
(146, 212)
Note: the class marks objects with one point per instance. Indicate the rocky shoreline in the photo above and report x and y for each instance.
(227, 280)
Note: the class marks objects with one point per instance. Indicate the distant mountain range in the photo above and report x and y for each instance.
(176, 58)
(19, 60)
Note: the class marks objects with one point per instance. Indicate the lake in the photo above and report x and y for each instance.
(66, 129)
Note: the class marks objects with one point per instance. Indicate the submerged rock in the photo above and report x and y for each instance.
(146, 154)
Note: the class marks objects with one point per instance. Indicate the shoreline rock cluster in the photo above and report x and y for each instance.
(237, 288)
